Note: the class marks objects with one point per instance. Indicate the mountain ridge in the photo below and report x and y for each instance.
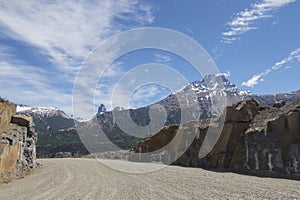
(58, 130)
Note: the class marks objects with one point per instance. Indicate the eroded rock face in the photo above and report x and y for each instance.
(174, 147)
(18, 139)
(273, 139)
(228, 151)
(259, 140)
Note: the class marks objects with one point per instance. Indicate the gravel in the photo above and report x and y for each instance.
(89, 179)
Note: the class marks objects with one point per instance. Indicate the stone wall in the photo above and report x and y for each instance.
(257, 140)
(17, 140)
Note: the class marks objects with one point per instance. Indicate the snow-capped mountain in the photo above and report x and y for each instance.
(211, 95)
(41, 112)
(47, 119)
(56, 131)
(22, 108)
(211, 83)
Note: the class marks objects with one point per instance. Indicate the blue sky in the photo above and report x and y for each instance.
(43, 43)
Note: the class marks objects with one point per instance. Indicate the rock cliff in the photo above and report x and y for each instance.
(17, 141)
(257, 140)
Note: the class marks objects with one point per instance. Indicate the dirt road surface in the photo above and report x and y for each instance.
(89, 179)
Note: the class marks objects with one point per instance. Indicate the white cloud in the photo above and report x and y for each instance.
(162, 58)
(114, 70)
(64, 32)
(294, 55)
(254, 80)
(67, 30)
(25, 84)
(244, 21)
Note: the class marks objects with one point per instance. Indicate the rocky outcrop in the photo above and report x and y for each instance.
(279, 104)
(229, 149)
(272, 141)
(256, 140)
(18, 139)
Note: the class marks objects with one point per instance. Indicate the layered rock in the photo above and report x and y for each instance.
(18, 139)
(272, 141)
(229, 149)
(253, 139)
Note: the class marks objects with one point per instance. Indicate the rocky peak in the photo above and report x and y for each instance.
(215, 82)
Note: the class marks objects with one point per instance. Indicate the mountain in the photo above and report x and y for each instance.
(212, 94)
(218, 87)
(214, 82)
(47, 119)
(56, 131)
(270, 99)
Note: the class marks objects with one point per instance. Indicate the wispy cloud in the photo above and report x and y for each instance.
(63, 32)
(67, 30)
(145, 92)
(30, 85)
(162, 58)
(244, 21)
(294, 55)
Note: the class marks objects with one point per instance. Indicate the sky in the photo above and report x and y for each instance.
(44, 43)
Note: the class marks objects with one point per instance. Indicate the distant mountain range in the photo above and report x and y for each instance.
(57, 131)
(218, 87)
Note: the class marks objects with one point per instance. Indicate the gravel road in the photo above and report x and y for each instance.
(88, 179)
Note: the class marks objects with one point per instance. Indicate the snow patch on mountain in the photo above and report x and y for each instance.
(22, 108)
(211, 83)
(44, 112)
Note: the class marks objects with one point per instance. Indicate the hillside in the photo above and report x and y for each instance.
(56, 130)
(58, 134)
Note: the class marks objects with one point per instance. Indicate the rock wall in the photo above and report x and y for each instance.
(272, 142)
(17, 140)
(256, 140)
